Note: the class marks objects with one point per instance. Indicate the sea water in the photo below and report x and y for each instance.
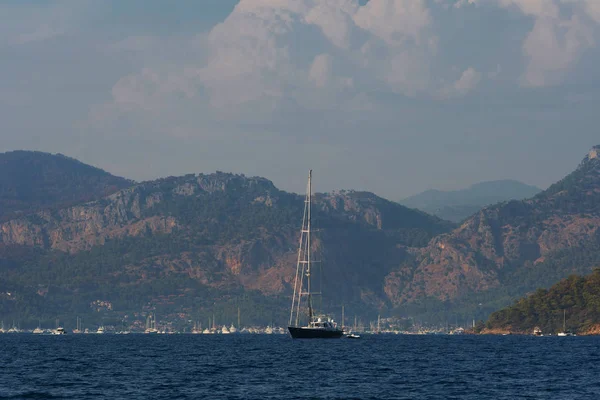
(278, 367)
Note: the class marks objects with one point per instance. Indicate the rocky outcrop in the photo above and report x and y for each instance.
(81, 227)
(487, 248)
(122, 214)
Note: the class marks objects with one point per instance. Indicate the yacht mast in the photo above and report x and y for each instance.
(308, 199)
(303, 267)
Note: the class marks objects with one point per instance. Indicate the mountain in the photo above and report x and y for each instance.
(457, 205)
(199, 245)
(32, 180)
(509, 249)
(195, 246)
(574, 302)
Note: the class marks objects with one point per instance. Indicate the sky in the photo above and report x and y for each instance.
(389, 96)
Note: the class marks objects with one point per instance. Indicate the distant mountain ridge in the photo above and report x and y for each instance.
(33, 180)
(511, 248)
(457, 205)
(204, 239)
(203, 244)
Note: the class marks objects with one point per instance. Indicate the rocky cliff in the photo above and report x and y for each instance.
(219, 232)
(510, 244)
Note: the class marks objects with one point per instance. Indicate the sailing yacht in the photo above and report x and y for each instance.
(38, 330)
(78, 326)
(564, 331)
(318, 327)
(14, 329)
(151, 324)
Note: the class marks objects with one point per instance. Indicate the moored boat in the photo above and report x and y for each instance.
(317, 326)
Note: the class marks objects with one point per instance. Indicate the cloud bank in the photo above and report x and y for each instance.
(395, 81)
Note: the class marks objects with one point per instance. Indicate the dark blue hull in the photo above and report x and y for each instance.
(312, 333)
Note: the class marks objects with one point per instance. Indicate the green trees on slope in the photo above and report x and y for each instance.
(577, 296)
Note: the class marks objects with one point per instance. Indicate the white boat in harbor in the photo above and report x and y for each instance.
(59, 331)
(197, 329)
(151, 324)
(38, 330)
(100, 330)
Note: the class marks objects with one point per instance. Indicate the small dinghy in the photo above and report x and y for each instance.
(353, 336)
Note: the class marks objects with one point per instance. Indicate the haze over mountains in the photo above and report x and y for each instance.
(30, 181)
(198, 245)
(456, 205)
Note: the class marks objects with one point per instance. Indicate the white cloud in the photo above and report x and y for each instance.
(463, 3)
(558, 39)
(335, 19)
(271, 51)
(469, 79)
(275, 74)
(395, 21)
(269, 55)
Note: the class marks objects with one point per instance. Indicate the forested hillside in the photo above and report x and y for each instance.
(574, 302)
(32, 180)
(203, 243)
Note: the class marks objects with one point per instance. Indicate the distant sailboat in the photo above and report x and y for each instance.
(151, 324)
(318, 327)
(78, 326)
(564, 331)
(39, 329)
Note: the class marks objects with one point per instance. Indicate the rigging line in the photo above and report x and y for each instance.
(298, 285)
(308, 245)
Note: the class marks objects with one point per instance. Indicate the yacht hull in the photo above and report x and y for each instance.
(312, 333)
